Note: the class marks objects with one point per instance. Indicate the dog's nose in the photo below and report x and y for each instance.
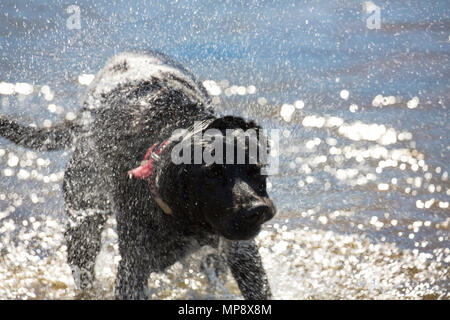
(258, 214)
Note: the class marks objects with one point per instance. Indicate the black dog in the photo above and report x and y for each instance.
(122, 162)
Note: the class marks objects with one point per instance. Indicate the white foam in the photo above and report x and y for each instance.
(286, 112)
(6, 88)
(47, 93)
(85, 79)
(23, 88)
(344, 94)
(212, 87)
(413, 103)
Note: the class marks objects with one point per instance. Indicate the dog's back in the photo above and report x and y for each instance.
(135, 97)
(136, 67)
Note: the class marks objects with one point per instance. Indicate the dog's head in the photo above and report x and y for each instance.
(231, 198)
(213, 174)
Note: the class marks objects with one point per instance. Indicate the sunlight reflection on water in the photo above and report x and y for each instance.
(297, 246)
(363, 191)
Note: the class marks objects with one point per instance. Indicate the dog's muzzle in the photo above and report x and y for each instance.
(258, 214)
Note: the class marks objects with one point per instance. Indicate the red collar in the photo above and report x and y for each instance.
(146, 171)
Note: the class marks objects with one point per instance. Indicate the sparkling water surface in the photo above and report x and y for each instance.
(362, 191)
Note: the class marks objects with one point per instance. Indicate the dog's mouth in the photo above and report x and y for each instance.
(256, 215)
(247, 223)
(240, 234)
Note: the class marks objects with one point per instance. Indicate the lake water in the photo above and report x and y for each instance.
(359, 91)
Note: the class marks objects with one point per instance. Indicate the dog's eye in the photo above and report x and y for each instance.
(214, 171)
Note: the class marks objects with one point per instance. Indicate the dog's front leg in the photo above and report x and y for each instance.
(131, 281)
(245, 263)
(134, 266)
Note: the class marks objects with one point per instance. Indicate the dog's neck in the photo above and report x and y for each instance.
(147, 171)
(148, 168)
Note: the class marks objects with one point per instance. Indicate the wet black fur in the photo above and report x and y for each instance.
(208, 209)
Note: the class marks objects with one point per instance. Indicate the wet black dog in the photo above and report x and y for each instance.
(122, 162)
